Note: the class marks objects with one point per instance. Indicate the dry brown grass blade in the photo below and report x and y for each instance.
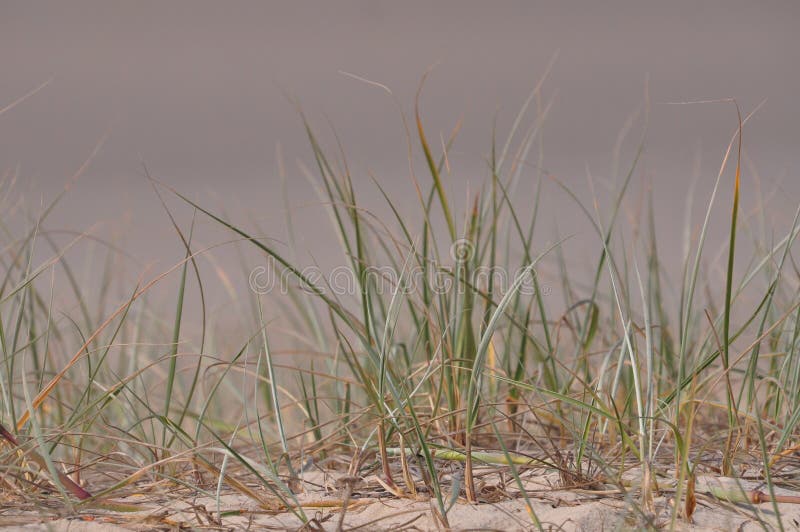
(391, 488)
(240, 487)
(387, 472)
(731, 491)
(407, 478)
(690, 503)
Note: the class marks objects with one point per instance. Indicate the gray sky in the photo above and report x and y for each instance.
(197, 91)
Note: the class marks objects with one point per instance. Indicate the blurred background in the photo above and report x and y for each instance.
(202, 93)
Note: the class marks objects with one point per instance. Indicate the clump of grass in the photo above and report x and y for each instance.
(449, 351)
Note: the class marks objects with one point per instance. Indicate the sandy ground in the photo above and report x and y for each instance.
(376, 510)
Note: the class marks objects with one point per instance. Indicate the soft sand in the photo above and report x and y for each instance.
(373, 510)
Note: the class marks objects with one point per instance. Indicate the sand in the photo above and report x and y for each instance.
(373, 509)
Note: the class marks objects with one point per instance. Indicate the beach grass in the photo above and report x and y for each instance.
(470, 344)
